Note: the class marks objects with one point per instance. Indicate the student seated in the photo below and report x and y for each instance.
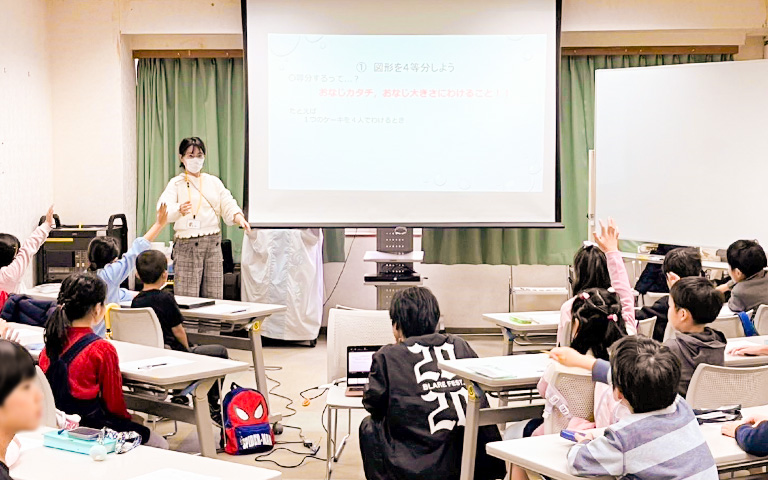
(103, 253)
(661, 438)
(598, 266)
(597, 326)
(693, 303)
(751, 434)
(15, 256)
(21, 406)
(749, 282)
(678, 263)
(82, 368)
(152, 269)
(416, 426)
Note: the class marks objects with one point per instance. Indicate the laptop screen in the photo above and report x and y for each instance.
(359, 360)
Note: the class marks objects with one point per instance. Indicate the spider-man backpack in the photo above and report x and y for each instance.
(246, 422)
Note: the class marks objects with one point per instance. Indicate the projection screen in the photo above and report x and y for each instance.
(382, 113)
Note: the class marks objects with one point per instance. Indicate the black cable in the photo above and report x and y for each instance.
(346, 258)
(306, 456)
(276, 385)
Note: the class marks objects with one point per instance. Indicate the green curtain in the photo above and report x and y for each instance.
(508, 246)
(177, 98)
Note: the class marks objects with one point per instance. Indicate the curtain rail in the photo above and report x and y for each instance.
(233, 53)
(659, 50)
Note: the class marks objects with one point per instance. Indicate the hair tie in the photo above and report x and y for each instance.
(613, 317)
(587, 244)
(584, 296)
(611, 290)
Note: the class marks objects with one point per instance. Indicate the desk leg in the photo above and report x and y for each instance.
(474, 399)
(257, 354)
(509, 341)
(203, 418)
(329, 446)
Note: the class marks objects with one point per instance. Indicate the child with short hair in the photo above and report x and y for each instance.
(152, 269)
(15, 256)
(103, 253)
(416, 426)
(599, 266)
(694, 303)
(661, 438)
(749, 279)
(21, 406)
(83, 369)
(678, 263)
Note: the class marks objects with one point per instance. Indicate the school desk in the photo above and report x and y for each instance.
(37, 462)
(743, 360)
(205, 325)
(546, 454)
(168, 370)
(511, 372)
(544, 323)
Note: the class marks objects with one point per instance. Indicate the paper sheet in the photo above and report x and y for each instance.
(174, 474)
(148, 364)
(497, 371)
(221, 309)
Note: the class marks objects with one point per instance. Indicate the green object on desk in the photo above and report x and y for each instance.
(520, 320)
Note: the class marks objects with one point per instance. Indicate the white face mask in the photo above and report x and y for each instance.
(194, 164)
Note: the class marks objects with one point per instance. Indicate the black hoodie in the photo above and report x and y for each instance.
(695, 348)
(415, 414)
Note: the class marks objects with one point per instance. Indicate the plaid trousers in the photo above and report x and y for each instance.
(198, 267)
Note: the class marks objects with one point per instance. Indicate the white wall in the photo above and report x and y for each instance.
(26, 161)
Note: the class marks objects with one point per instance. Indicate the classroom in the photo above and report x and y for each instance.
(383, 240)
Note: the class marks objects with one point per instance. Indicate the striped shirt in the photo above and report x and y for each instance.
(664, 444)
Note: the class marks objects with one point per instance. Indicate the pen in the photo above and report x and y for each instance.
(147, 367)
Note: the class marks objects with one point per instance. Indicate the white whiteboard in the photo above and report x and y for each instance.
(428, 113)
(682, 152)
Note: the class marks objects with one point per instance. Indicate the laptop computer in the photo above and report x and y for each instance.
(359, 360)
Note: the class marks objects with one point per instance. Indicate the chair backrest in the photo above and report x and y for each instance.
(645, 327)
(730, 326)
(578, 390)
(348, 328)
(49, 404)
(761, 320)
(137, 325)
(652, 297)
(714, 386)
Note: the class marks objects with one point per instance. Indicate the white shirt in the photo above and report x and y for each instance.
(216, 201)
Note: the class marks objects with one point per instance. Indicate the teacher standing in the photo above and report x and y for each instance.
(196, 202)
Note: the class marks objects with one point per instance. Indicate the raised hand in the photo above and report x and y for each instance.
(162, 214)
(608, 238)
(49, 217)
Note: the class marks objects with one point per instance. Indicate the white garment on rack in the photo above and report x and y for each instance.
(285, 267)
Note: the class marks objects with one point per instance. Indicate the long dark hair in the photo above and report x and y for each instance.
(102, 251)
(590, 268)
(598, 312)
(79, 293)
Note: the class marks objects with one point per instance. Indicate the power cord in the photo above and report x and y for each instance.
(346, 259)
(275, 386)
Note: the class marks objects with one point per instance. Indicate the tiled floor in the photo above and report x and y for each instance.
(301, 368)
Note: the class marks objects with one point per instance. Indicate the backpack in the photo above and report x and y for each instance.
(246, 422)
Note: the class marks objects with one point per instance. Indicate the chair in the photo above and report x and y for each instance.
(714, 386)
(49, 404)
(761, 320)
(348, 328)
(136, 325)
(652, 297)
(730, 326)
(578, 390)
(645, 327)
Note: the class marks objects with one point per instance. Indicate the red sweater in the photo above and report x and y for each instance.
(96, 371)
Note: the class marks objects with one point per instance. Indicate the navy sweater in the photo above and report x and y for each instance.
(754, 440)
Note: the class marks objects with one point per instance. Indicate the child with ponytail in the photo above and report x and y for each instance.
(103, 253)
(82, 368)
(599, 265)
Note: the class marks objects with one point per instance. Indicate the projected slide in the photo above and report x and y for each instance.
(407, 113)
